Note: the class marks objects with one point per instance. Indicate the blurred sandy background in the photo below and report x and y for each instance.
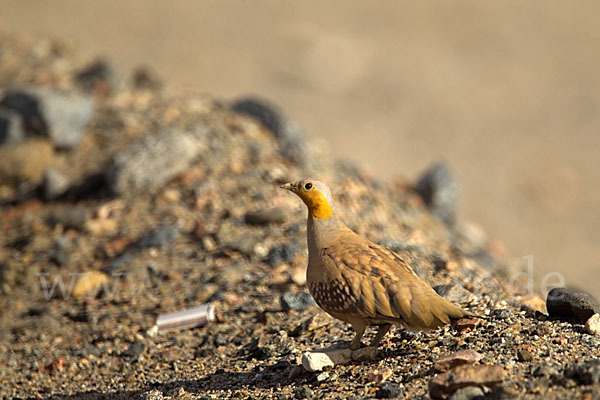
(507, 93)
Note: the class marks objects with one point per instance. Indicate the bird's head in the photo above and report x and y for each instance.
(316, 195)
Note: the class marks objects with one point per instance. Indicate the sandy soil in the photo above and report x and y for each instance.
(162, 213)
(508, 96)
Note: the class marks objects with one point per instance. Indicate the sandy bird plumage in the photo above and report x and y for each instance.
(360, 282)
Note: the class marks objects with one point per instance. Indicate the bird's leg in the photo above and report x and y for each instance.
(360, 331)
(381, 331)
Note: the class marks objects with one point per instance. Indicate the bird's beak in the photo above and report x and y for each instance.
(288, 186)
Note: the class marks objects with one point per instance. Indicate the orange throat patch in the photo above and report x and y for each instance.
(317, 204)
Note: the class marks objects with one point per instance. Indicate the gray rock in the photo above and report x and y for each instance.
(571, 305)
(468, 393)
(439, 190)
(296, 301)
(94, 76)
(286, 253)
(544, 371)
(60, 115)
(586, 373)
(62, 251)
(134, 352)
(303, 392)
(54, 185)
(454, 293)
(293, 144)
(161, 237)
(388, 390)
(367, 353)
(27, 105)
(244, 244)
(460, 357)
(120, 263)
(444, 385)
(66, 114)
(264, 217)
(295, 372)
(149, 163)
(11, 126)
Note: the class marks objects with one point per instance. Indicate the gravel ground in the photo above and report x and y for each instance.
(202, 220)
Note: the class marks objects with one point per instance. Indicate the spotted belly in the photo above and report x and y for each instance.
(337, 299)
(333, 296)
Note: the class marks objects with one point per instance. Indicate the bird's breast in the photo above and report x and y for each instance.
(332, 296)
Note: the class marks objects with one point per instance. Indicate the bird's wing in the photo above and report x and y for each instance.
(376, 283)
(369, 259)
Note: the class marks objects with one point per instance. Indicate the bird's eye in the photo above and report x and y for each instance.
(308, 186)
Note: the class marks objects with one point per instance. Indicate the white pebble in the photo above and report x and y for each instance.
(317, 360)
(323, 376)
(592, 326)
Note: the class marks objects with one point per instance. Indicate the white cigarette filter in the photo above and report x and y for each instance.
(185, 319)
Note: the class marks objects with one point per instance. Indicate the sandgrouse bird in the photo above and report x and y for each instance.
(360, 282)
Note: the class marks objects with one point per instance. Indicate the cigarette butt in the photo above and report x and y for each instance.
(185, 319)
